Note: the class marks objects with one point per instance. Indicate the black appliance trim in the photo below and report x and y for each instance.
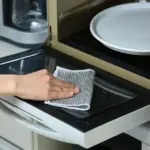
(7, 5)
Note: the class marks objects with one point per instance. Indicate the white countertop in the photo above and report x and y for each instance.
(7, 49)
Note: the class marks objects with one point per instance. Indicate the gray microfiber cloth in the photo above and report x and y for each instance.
(84, 79)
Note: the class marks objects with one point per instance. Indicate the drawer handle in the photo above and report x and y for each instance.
(34, 125)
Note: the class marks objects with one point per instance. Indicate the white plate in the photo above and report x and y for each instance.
(124, 28)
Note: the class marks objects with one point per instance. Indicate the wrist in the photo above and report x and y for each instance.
(8, 84)
(12, 85)
(15, 81)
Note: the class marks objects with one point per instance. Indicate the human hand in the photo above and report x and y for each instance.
(43, 86)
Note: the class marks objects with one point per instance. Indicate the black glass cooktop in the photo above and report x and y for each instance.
(85, 42)
(106, 105)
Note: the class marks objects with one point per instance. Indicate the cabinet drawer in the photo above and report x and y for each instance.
(14, 132)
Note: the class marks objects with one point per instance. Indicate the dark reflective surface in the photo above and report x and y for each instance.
(101, 100)
(23, 63)
(105, 106)
(84, 41)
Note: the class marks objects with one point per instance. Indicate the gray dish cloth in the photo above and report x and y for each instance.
(84, 79)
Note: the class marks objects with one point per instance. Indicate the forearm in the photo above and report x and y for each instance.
(7, 84)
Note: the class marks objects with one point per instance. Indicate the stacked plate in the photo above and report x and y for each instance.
(124, 28)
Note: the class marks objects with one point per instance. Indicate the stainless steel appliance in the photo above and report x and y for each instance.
(28, 15)
(23, 22)
(120, 100)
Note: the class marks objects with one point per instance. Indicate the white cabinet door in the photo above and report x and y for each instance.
(21, 136)
(15, 133)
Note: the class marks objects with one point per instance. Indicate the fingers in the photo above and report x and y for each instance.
(61, 89)
(57, 85)
(64, 84)
(60, 95)
(54, 81)
(61, 83)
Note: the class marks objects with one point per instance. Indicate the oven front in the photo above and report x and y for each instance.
(117, 106)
